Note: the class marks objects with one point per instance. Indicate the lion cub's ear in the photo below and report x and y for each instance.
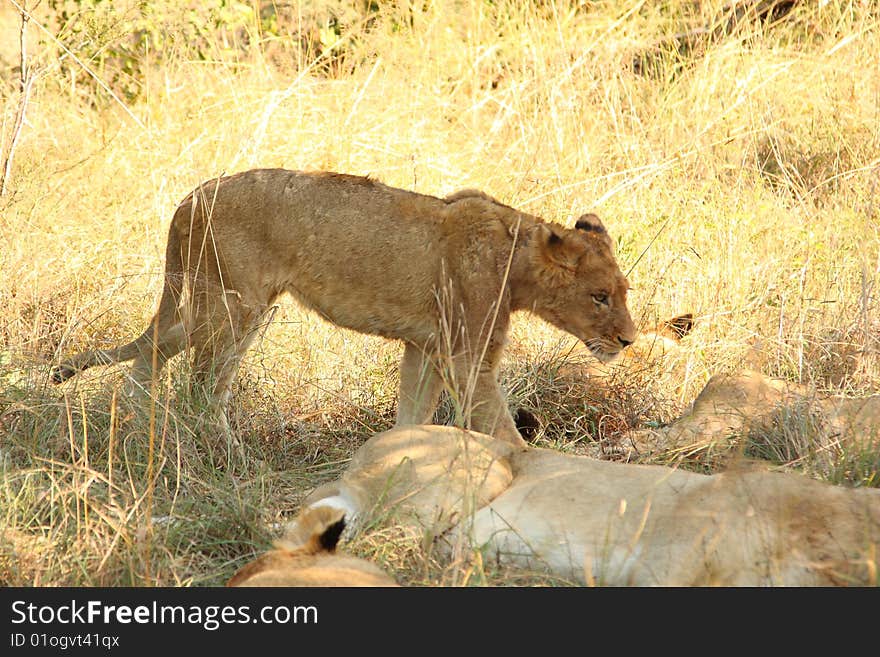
(558, 253)
(470, 193)
(590, 223)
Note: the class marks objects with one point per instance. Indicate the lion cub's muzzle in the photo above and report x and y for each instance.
(605, 349)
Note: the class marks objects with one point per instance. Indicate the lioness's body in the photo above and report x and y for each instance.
(617, 524)
(441, 275)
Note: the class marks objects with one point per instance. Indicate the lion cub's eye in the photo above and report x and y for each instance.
(601, 298)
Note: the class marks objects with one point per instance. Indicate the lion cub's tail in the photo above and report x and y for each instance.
(163, 324)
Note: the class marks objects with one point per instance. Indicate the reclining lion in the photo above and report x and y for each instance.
(739, 407)
(593, 521)
(442, 275)
(621, 524)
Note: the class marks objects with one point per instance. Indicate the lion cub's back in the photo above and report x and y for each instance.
(296, 206)
(363, 254)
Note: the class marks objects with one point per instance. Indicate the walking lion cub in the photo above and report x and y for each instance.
(442, 275)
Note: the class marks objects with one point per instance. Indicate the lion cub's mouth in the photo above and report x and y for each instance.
(601, 352)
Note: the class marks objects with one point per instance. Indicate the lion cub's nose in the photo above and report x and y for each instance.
(625, 343)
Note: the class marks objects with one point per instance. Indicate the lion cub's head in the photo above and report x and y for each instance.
(582, 290)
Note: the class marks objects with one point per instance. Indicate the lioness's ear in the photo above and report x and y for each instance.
(677, 327)
(330, 536)
(557, 252)
(316, 529)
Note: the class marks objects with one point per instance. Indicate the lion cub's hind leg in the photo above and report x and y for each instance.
(143, 373)
(163, 338)
(149, 352)
(220, 341)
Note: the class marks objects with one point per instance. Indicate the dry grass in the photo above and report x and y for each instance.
(741, 181)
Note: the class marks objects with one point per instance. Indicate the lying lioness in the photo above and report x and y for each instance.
(741, 407)
(441, 275)
(593, 521)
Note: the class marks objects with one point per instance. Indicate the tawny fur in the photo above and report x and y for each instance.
(307, 556)
(442, 275)
(734, 409)
(592, 521)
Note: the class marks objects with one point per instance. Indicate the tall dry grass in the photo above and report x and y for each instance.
(740, 178)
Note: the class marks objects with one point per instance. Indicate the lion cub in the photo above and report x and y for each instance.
(441, 275)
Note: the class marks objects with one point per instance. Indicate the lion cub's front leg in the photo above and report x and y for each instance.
(420, 386)
(484, 403)
(475, 389)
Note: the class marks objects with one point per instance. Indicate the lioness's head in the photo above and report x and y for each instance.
(307, 556)
(582, 289)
